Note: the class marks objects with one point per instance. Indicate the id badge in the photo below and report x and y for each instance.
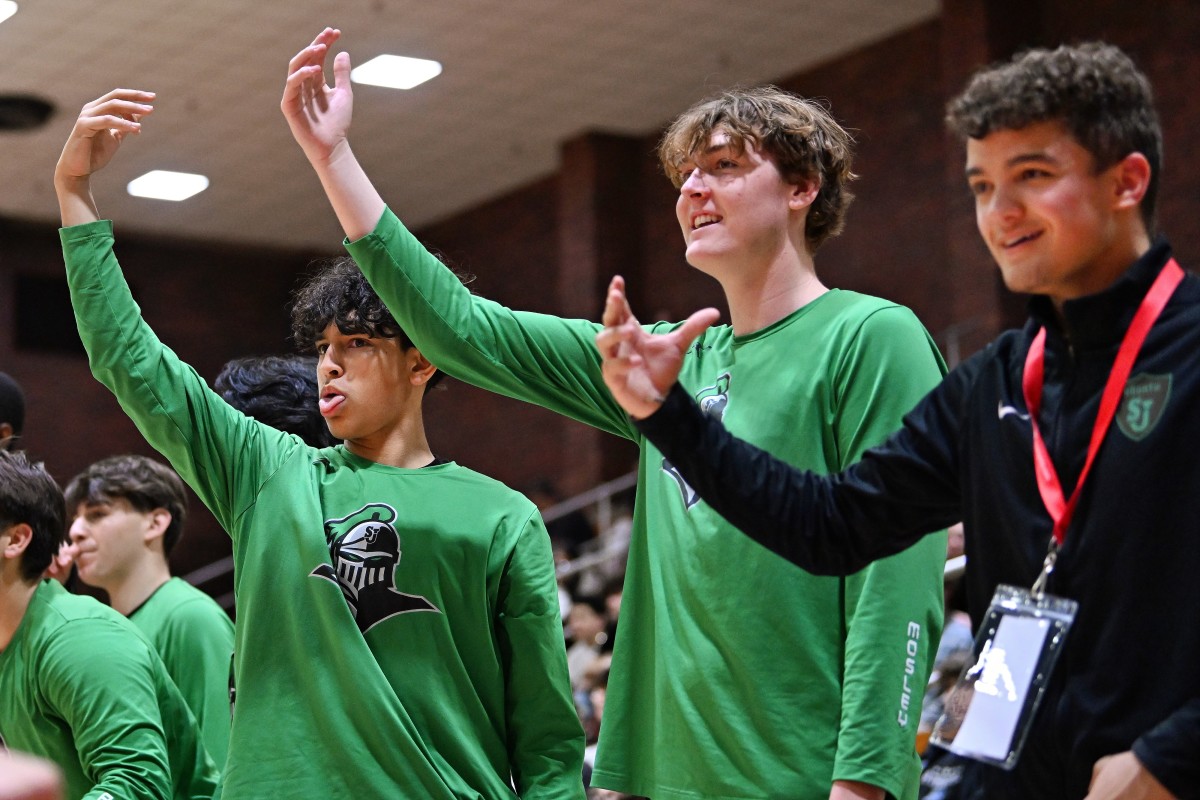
(988, 713)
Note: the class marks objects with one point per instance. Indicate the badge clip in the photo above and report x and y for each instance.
(1039, 586)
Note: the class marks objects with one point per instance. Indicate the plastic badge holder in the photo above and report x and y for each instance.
(988, 713)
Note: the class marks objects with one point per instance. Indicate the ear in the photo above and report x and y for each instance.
(6, 432)
(1132, 180)
(804, 193)
(16, 539)
(159, 520)
(419, 368)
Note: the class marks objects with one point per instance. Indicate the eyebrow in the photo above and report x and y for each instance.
(1038, 157)
(709, 150)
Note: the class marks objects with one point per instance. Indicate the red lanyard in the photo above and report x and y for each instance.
(1147, 314)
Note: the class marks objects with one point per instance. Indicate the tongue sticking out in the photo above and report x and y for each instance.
(329, 402)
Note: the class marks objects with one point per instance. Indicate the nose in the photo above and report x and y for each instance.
(1003, 205)
(328, 367)
(78, 530)
(694, 185)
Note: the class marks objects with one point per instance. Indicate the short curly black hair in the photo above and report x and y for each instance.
(29, 496)
(1094, 89)
(338, 292)
(280, 391)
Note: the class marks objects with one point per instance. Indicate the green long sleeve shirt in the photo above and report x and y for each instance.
(397, 630)
(735, 675)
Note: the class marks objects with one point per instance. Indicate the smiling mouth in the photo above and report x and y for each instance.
(1029, 237)
(704, 220)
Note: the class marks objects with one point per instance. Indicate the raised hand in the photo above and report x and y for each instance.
(96, 137)
(640, 367)
(319, 115)
(98, 131)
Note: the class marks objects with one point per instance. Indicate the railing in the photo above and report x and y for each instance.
(210, 572)
(600, 496)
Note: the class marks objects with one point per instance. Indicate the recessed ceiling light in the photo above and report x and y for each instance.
(20, 112)
(396, 72)
(7, 9)
(161, 184)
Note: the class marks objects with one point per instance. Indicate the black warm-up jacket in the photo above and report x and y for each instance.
(1129, 676)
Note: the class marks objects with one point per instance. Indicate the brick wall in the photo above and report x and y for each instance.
(551, 246)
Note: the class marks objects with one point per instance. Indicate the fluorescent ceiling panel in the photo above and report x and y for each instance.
(161, 184)
(396, 72)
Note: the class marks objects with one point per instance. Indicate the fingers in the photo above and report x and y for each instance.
(316, 50)
(120, 110)
(617, 368)
(311, 56)
(306, 70)
(621, 329)
(616, 306)
(328, 36)
(314, 55)
(306, 74)
(126, 95)
(341, 72)
(305, 88)
(696, 324)
(298, 84)
(61, 563)
(609, 341)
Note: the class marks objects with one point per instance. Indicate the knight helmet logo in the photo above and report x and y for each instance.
(1142, 404)
(712, 401)
(365, 550)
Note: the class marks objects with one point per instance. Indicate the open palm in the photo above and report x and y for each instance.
(318, 114)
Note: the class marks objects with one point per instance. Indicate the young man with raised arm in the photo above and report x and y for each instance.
(734, 674)
(397, 629)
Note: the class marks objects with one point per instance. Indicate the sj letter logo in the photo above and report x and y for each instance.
(1142, 405)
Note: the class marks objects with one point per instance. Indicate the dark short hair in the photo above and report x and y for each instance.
(142, 482)
(338, 293)
(1094, 89)
(29, 495)
(280, 391)
(800, 134)
(12, 403)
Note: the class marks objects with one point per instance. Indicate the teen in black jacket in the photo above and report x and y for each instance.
(1063, 149)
